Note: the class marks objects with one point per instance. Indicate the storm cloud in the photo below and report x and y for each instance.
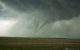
(43, 18)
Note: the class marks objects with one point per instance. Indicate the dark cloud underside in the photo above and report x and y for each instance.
(62, 10)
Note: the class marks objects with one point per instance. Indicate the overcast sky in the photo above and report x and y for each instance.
(40, 18)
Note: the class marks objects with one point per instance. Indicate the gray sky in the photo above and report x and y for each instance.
(40, 18)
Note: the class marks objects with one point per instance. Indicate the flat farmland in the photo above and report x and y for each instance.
(38, 43)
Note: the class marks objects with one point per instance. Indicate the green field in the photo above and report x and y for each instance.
(11, 43)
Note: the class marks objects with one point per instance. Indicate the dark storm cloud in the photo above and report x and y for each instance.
(55, 18)
(53, 9)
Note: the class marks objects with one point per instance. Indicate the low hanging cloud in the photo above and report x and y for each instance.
(42, 18)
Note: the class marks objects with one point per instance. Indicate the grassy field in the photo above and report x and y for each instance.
(16, 43)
